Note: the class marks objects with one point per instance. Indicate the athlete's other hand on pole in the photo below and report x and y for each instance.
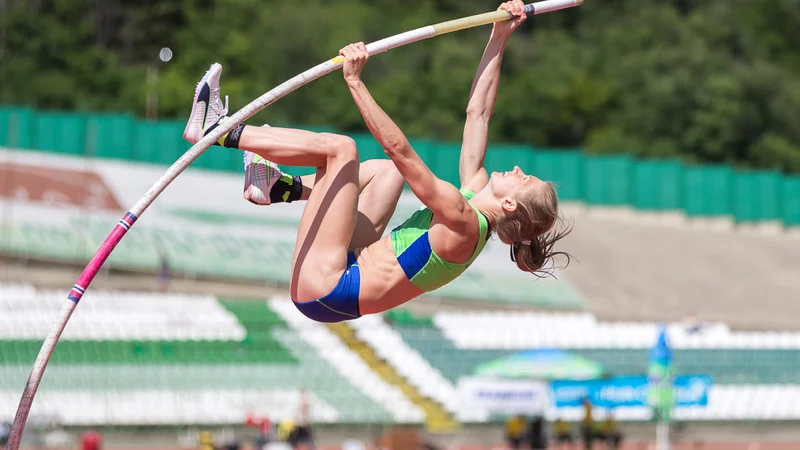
(355, 56)
(506, 27)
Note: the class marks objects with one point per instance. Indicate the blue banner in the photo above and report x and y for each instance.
(690, 390)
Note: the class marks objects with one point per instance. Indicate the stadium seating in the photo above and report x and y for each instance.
(756, 375)
(460, 341)
(131, 358)
(408, 362)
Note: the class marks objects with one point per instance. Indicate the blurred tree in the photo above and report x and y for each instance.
(710, 80)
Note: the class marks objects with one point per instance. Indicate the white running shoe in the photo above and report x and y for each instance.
(259, 177)
(207, 109)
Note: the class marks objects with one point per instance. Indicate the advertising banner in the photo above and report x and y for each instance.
(503, 396)
(690, 390)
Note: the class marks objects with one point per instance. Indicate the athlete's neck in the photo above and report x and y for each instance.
(488, 205)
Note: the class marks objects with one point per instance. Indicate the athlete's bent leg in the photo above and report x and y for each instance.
(329, 217)
(326, 227)
(327, 224)
(380, 186)
(321, 262)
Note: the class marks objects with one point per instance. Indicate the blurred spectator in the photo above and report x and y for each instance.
(302, 434)
(264, 426)
(609, 432)
(206, 441)
(562, 434)
(5, 431)
(91, 440)
(232, 445)
(285, 429)
(515, 431)
(693, 324)
(163, 272)
(536, 434)
(587, 425)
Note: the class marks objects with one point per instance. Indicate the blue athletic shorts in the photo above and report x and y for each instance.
(342, 303)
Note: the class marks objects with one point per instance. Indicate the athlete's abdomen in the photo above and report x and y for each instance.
(384, 285)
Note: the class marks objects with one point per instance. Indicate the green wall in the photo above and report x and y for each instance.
(699, 190)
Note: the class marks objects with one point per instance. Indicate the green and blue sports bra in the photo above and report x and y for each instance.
(412, 247)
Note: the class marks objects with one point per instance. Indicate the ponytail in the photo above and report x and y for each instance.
(533, 231)
(532, 256)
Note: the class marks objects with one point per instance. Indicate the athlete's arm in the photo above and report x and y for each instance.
(441, 197)
(482, 100)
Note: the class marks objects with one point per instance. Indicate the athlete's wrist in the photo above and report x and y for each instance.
(500, 36)
(354, 82)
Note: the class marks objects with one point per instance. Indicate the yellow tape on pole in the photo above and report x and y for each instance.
(499, 16)
(462, 24)
(470, 22)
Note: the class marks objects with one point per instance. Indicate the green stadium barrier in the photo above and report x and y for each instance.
(60, 133)
(110, 136)
(500, 158)
(657, 185)
(159, 142)
(444, 161)
(791, 201)
(701, 191)
(16, 127)
(564, 168)
(707, 191)
(757, 196)
(426, 149)
(608, 180)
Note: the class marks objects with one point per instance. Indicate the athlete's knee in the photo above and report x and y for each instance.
(388, 173)
(339, 146)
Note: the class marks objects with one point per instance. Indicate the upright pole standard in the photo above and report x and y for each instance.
(201, 146)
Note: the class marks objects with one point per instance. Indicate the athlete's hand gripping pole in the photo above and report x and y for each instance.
(201, 146)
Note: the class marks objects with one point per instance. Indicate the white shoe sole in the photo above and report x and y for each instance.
(194, 127)
(251, 193)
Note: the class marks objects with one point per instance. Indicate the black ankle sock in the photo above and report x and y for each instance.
(286, 189)
(234, 135)
(232, 138)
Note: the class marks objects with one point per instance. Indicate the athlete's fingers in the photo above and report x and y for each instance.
(521, 8)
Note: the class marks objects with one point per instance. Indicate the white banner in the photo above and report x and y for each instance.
(484, 396)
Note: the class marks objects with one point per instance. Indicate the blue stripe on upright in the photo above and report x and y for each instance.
(414, 258)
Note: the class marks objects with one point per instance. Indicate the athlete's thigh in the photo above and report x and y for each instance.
(325, 229)
(381, 186)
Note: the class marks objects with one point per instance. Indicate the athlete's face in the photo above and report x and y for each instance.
(514, 183)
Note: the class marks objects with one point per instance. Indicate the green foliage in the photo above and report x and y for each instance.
(703, 81)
